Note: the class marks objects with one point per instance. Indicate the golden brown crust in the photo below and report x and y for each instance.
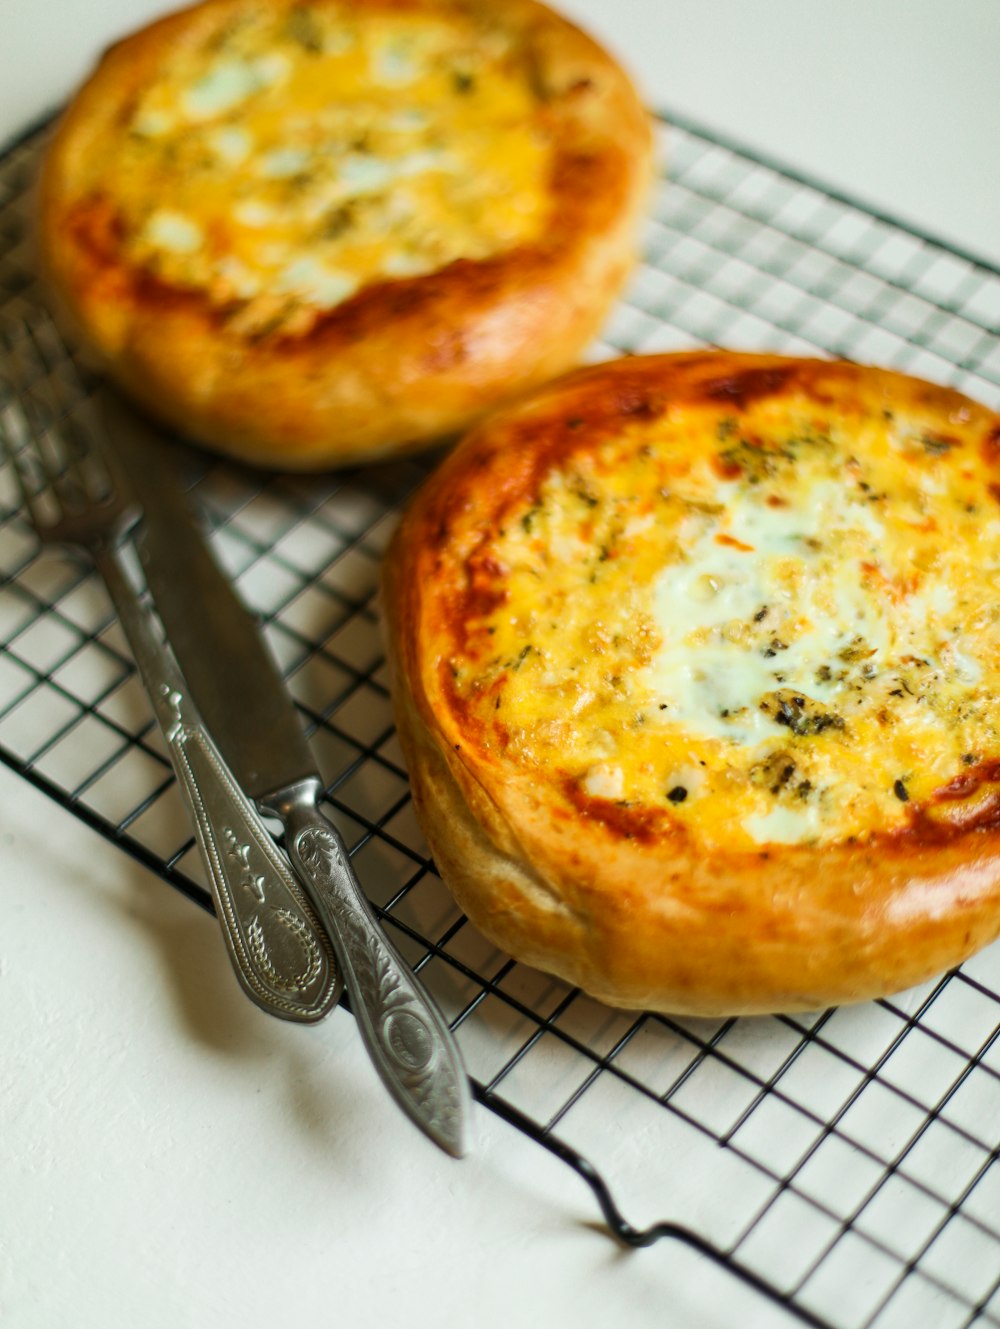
(628, 906)
(403, 361)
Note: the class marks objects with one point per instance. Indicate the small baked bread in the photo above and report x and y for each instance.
(314, 232)
(697, 673)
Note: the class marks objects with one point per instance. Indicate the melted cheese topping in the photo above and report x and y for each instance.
(774, 630)
(291, 160)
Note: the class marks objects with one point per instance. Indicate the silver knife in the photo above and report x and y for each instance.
(242, 697)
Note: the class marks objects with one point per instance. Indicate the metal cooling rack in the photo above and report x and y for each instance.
(843, 1163)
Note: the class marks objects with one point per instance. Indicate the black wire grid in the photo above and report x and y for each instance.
(843, 1163)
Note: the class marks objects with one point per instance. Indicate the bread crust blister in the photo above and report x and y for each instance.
(277, 367)
(694, 669)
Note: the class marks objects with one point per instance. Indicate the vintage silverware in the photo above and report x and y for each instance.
(243, 698)
(71, 493)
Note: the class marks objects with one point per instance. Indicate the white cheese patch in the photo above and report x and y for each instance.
(283, 163)
(226, 84)
(152, 124)
(244, 284)
(783, 826)
(174, 232)
(231, 144)
(416, 163)
(710, 671)
(963, 666)
(989, 533)
(400, 264)
(254, 212)
(364, 174)
(604, 781)
(689, 778)
(637, 525)
(230, 82)
(582, 700)
(394, 62)
(271, 69)
(321, 285)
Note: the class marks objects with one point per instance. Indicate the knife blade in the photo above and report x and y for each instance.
(243, 699)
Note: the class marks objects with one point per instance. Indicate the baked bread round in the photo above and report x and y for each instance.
(315, 232)
(697, 674)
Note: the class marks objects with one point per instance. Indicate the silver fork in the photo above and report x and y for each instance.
(75, 497)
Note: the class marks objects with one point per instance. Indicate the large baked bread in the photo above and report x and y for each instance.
(697, 672)
(312, 232)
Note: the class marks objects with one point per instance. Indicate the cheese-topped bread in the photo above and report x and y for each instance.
(313, 231)
(697, 669)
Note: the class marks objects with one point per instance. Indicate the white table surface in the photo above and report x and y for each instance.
(171, 1157)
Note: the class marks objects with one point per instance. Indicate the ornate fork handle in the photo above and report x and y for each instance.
(279, 952)
(408, 1039)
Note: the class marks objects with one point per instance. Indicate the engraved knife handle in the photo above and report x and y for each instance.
(277, 947)
(407, 1037)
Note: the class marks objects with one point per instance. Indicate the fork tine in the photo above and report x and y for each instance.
(72, 464)
(19, 444)
(35, 433)
(15, 438)
(74, 413)
(61, 454)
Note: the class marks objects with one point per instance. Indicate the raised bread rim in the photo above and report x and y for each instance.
(656, 925)
(401, 363)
